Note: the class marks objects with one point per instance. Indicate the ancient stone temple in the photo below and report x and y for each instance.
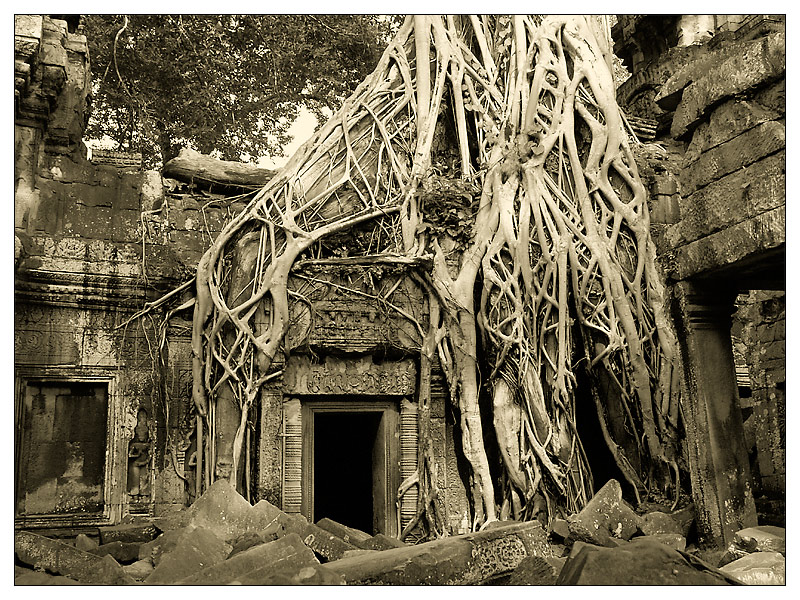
(711, 90)
(105, 429)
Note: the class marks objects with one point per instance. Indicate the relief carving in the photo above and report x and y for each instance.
(359, 376)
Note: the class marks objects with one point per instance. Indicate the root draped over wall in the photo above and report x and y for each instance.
(547, 266)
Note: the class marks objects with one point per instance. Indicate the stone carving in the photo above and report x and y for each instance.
(339, 377)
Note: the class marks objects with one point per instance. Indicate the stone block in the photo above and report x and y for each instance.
(245, 542)
(724, 248)
(60, 558)
(165, 542)
(324, 542)
(759, 568)
(289, 550)
(222, 510)
(194, 551)
(638, 562)
(533, 570)
(122, 552)
(685, 518)
(747, 67)
(381, 542)
(39, 578)
(139, 570)
(125, 225)
(292, 574)
(606, 516)
(673, 540)
(764, 538)
(459, 560)
(348, 534)
(752, 145)
(85, 543)
(659, 522)
(134, 532)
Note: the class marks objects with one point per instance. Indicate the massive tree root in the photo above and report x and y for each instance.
(493, 146)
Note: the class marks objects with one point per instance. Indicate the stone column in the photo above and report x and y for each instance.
(720, 471)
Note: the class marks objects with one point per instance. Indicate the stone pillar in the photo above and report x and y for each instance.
(718, 462)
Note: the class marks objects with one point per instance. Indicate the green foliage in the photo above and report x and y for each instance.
(226, 83)
(449, 207)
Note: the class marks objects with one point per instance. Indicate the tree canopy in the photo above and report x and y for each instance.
(229, 84)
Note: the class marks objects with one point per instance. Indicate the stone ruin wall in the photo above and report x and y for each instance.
(95, 239)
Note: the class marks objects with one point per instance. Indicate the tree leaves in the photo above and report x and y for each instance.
(225, 83)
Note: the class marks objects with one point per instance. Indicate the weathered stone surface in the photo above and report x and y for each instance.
(726, 122)
(743, 194)
(139, 570)
(638, 562)
(724, 248)
(673, 540)
(194, 551)
(533, 570)
(63, 559)
(123, 552)
(245, 542)
(154, 549)
(756, 143)
(292, 574)
(659, 522)
(222, 510)
(128, 533)
(289, 550)
(560, 527)
(749, 66)
(464, 559)
(381, 542)
(325, 543)
(39, 578)
(758, 568)
(605, 516)
(764, 538)
(85, 543)
(348, 534)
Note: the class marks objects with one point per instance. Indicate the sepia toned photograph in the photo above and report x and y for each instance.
(408, 300)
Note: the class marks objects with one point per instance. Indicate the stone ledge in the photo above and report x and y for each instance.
(745, 241)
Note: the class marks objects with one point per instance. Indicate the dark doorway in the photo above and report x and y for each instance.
(343, 467)
(351, 463)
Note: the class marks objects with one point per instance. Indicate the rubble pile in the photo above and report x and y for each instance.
(222, 539)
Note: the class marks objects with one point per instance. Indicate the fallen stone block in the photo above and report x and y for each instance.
(324, 543)
(133, 532)
(533, 570)
(313, 574)
(348, 534)
(638, 562)
(358, 552)
(456, 560)
(155, 549)
(764, 538)
(245, 542)
(658, 522)
(123, 552)
(40, 578)
(85, 543)
(63, 559)
(288, 550)
(606, 516)
(261, 515)
(758, 568)
(223, 510)
(380, 541)
(673, 540)
(560, 527)
(140, 570)
(194, 551)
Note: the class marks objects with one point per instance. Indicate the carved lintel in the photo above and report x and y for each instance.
(347, 377)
